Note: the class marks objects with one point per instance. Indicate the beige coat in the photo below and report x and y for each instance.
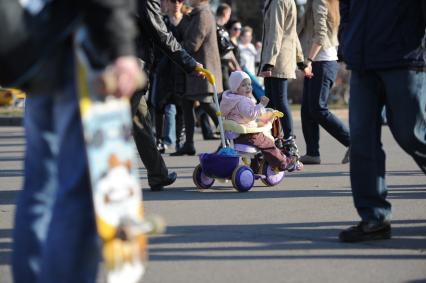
(316, 27)
(281, 46)
(200, 41)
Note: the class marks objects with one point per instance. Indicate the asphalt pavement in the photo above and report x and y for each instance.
(286, 233)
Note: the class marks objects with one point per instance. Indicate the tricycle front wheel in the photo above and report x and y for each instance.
(202, 181)
(243, 178)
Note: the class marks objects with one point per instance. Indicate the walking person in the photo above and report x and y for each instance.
(169, 85)
(318, 37)
(384, 45)
(200, 41)
(54, 237)
(247, 50)
(223, 14)
(281, 52)
(154, 35)
(248, 54)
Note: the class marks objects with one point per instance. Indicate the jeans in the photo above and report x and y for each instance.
(315, 111)
(402, 91)
(276, 89)
(170, 124)
(55, 236)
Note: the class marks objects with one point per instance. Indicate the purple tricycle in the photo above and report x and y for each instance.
(225, 164)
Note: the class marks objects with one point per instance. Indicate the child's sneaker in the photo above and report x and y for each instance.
(290, 147)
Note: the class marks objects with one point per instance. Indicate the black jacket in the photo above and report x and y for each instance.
(377, 34)
(154, 34)
(27, 40)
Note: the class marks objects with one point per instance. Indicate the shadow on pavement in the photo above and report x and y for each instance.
(11, 173)
(11, 158)
(5, 246)
(247, 242)
(226, 191)
(12, 144)
(8, 197)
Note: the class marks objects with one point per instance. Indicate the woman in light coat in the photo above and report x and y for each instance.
(318, 36)
(280, 54)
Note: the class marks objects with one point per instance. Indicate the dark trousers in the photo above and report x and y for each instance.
(145, 141)
(402, 91)
(271, 153)
(188, 116)
(276, 89)
(315, 111)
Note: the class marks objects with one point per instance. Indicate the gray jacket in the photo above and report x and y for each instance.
(200, 40)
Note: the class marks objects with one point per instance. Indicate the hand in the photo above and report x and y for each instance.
(266, 71)
(265, 74)
(128, 76)
(308, 71)
(199, 74)
(264, 101)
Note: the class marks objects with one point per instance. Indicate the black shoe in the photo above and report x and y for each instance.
(171, 178)
(366, 231)
(188, 149)
(212, 137)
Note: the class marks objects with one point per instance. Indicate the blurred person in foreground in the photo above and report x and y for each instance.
(384, 44)
(55, 237)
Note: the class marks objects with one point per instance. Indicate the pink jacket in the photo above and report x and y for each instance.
(240, 109)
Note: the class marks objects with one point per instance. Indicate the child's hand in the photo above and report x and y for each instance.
(264, 101)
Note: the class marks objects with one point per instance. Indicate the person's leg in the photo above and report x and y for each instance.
(35, 202)
(159, 128)
(367, 166)
(204, 122)
(188, 114)
(321, 84)
(310, 127)
(276, 91)
(210, 111)
(405, 107)
(179, 125)
(170, 124)
(145, 144)
(72, 230)
(55, 164)
(159, 122)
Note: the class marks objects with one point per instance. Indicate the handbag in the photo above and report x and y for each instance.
(223, 41)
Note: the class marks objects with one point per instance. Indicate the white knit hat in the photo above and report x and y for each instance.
(235, 80)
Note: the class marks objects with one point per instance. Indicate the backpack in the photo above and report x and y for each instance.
(223, 41)
(29, 30)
